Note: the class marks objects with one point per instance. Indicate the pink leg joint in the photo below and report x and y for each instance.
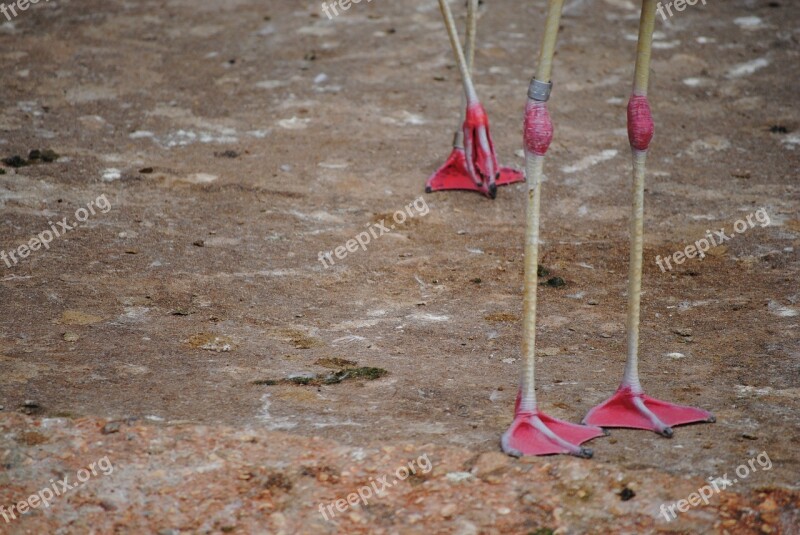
(479, 149)
(538, 128)
(476, 115)
(640, 123)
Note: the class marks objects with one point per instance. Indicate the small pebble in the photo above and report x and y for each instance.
(448, 510)
(768, 505)
(358, 518)
(111, 427)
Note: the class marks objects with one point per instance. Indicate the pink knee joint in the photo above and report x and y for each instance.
(640, 123)
(476, 116)
(538, 128)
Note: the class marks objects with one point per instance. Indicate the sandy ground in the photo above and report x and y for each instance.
(223, 145)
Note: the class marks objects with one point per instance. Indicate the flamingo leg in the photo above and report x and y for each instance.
(629, 406)
(469, 52)
(472, 165)
(532, 432)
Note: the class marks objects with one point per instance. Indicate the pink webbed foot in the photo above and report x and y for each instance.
(474, 168)
(535, 433)
(453, 175)
(635, 410)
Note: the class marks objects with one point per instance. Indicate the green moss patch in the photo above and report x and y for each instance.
(339, 376)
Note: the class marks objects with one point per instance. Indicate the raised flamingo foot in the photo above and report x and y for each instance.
(453, 175)
(535, 433)
(635, 410)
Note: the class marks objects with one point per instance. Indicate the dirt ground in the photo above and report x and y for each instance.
(225, 144)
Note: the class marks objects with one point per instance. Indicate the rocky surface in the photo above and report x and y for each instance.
(199, 479)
